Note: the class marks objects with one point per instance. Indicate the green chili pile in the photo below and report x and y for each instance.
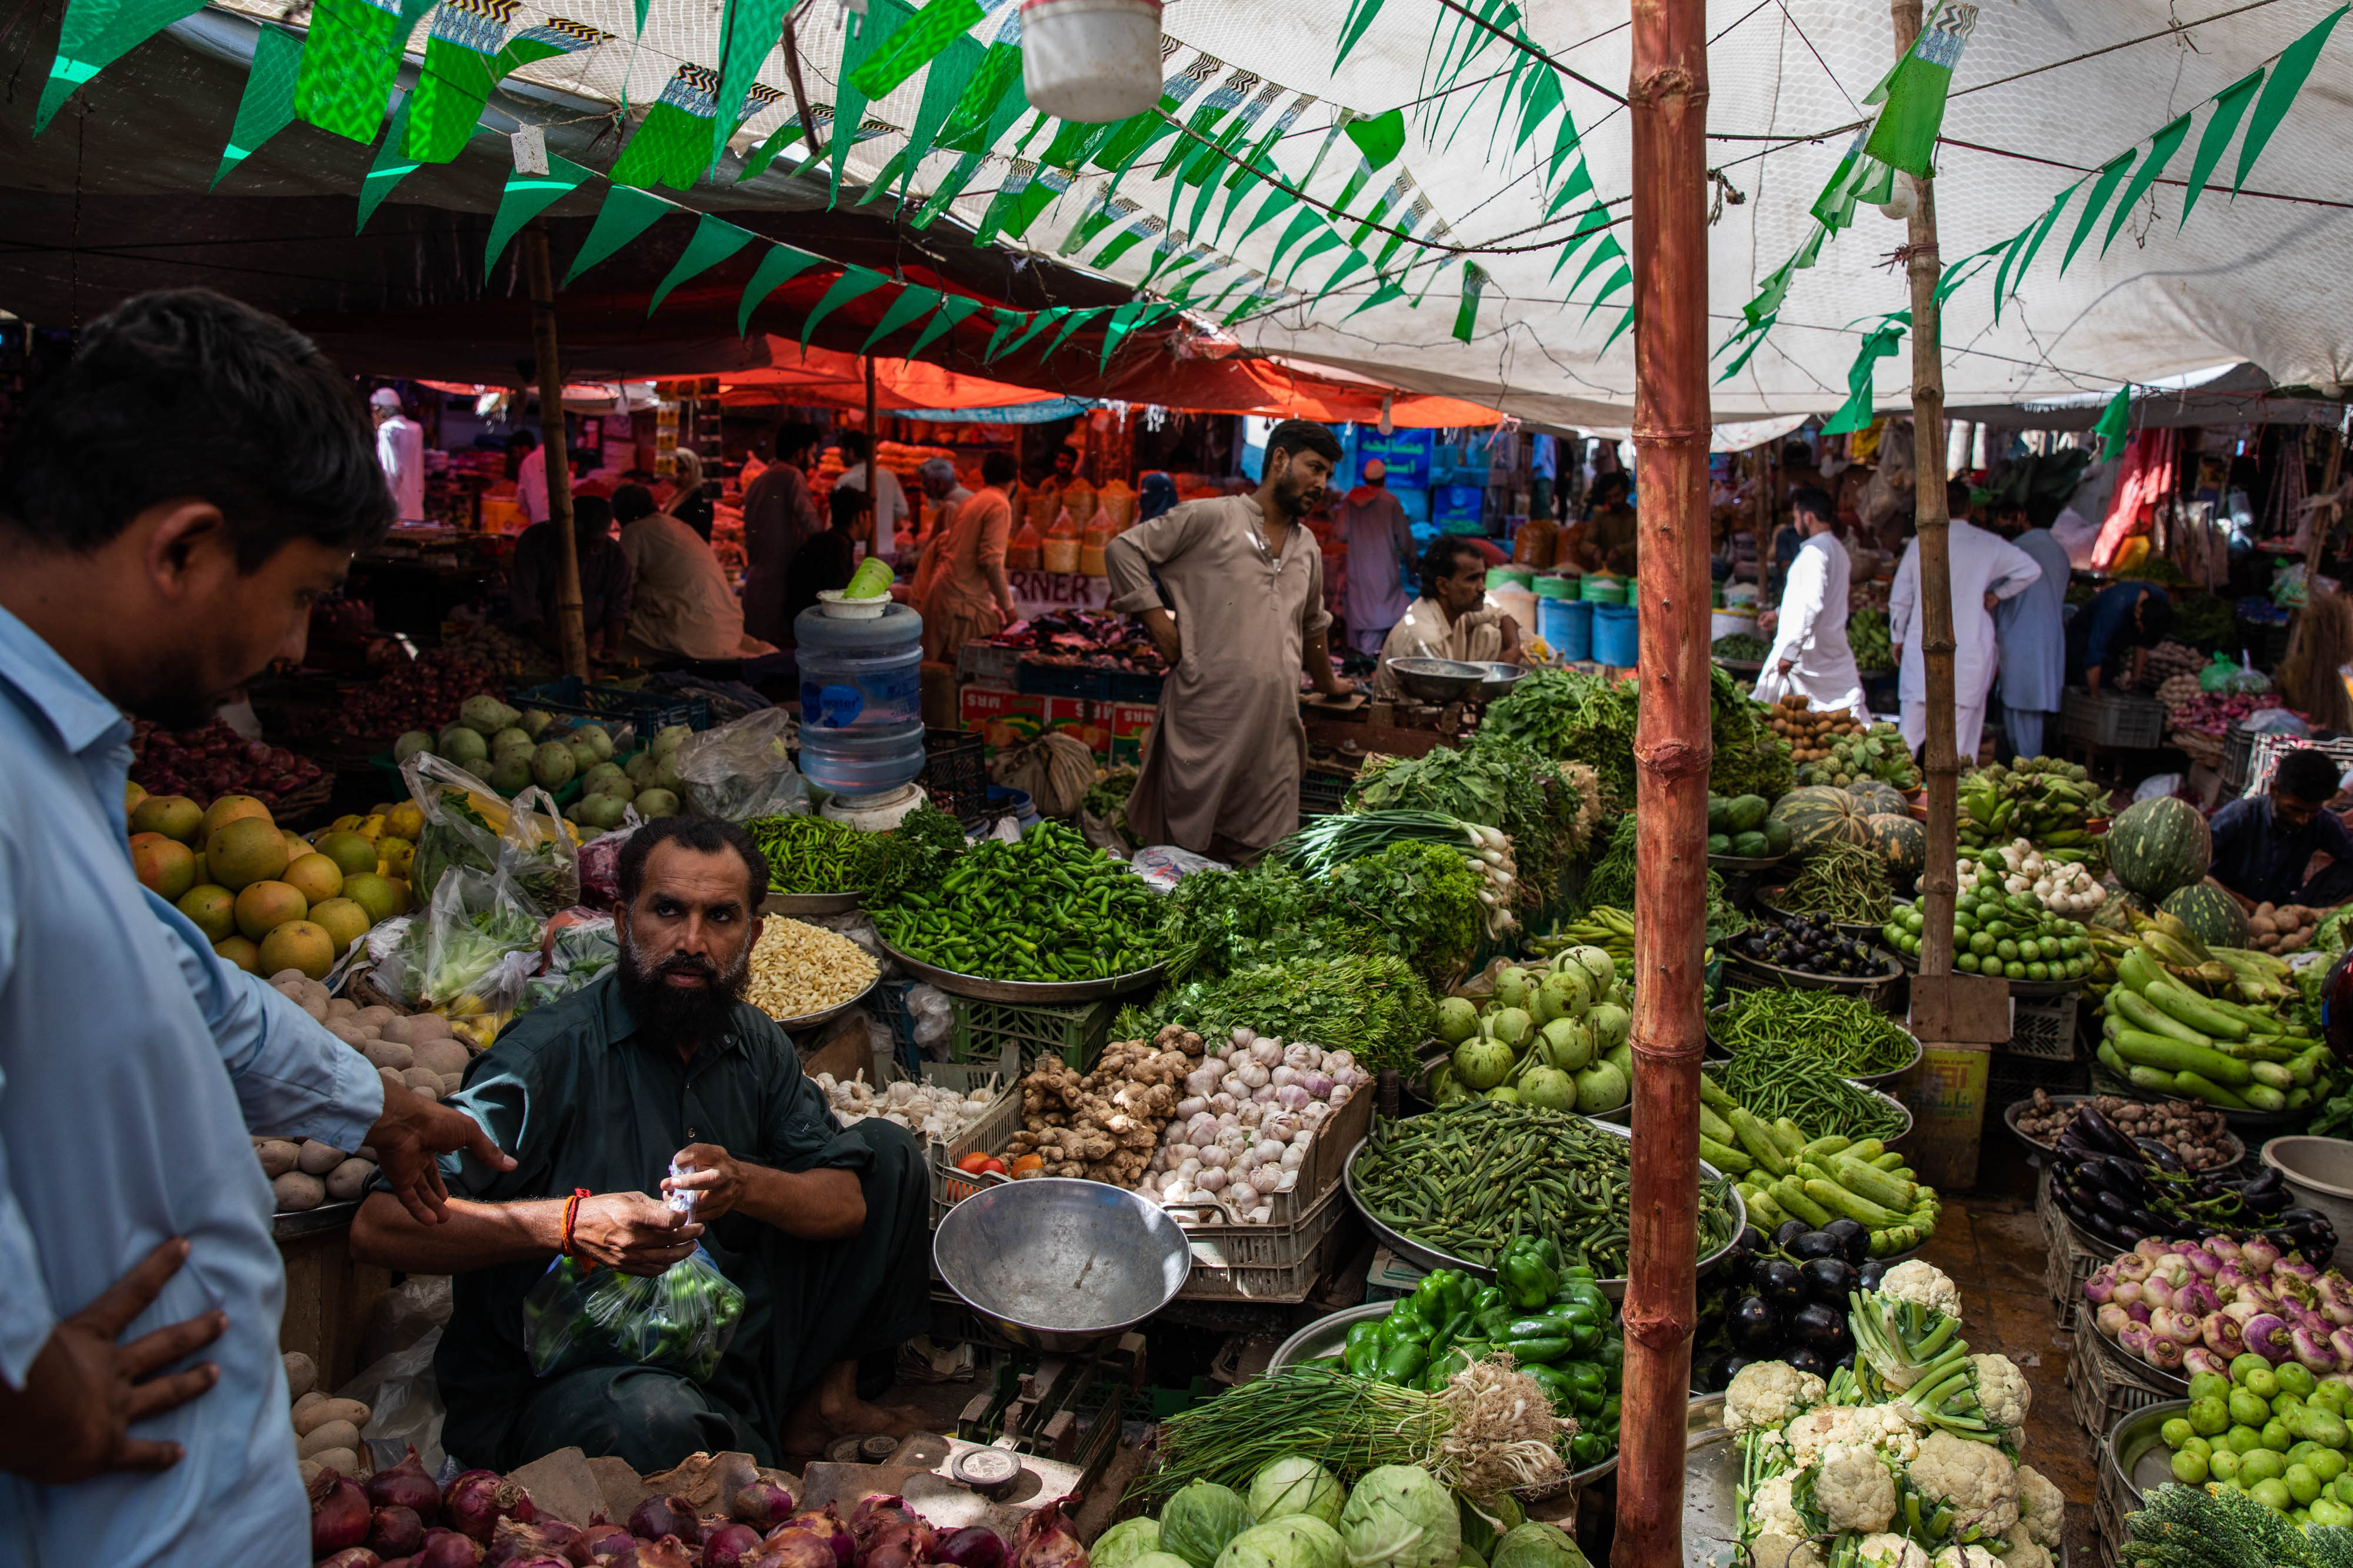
(1777, 1083)
(1843, 883)
(809, 854)
(1469, 1180)
(1831, 1029)
(1047, 907)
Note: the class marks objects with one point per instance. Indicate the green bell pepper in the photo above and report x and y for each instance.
(1588, 1449)
(1491, 1312)
(1526, 1278)
(1442, 1368)
(1361, 1354)
(1403, 1364)
(1556, 1387)
(1612, 1357)
(1589, 1388)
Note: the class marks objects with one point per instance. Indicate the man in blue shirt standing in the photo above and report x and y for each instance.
(174, 503)
(2264, 843)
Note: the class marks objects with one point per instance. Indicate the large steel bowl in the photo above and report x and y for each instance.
(1056, 1264)
(1498, 678)
(1436, 680)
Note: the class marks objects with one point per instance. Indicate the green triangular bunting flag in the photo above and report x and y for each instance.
(1880, 344)
(2112, 174)
(715, 239)
(914, 43)
(267, 106)
(628, 213)
(2230, 108)
(857, 280)
(391, 167)
(954, 308)
(752, 29)
(1466, 314)
(348, 63)
(781, 264)
(2162, 146)
(2115, 423)
(911, 303)
(96, 34)
(2287, 80)
(528, 195)
(1905, 134)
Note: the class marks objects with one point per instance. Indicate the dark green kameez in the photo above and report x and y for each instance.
(580, 1101)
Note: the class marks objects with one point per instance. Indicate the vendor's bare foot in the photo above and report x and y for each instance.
(834, 1411)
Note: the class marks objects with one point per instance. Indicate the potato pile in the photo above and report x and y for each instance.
(1105, 1125)
(415, 1053)
(326, 1431)
(2282, 927)
(1808, 732)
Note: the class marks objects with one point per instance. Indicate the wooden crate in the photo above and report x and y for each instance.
(2101, 1389)
(329, 1298)
(2068, 1259)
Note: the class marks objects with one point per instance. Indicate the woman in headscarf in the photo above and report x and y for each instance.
(1158, 495)
(687, 502)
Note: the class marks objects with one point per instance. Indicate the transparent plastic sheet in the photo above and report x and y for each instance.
(580, 1314)
(744, 770)
(475, 949)
(579, 945)
(468, 825)
(405, 1403)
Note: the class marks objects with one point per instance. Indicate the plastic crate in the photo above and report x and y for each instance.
(647, 713)
(986, 1135)
(2112, 718)
(2041, 1027)
(1318, 1173)
(2100, 1390)
(1322, 792)
(1134, 685)
(1063, 680)
(982, 1031)
(1268, 1263)
(955, 772)
(986, 663)
(888, 1003)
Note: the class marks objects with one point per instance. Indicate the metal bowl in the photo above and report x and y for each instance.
(1431, 1258)
(1803, 980)
(824, 1016)
(1867, 1079)
(985, 989)
(2017, 1108)
(1499, 680)
(1055, 1264)
(1436, 680)
(1769, 899)
(2135, 1455)
(808, 903)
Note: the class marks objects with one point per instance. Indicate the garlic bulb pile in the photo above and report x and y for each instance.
(938, 1114)
(1251, 1109)
(2061, 887)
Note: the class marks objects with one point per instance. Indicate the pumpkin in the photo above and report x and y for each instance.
(1817, 815)
(2157, 845)
(1879, 798)
(1903, 839)
(2213, 916)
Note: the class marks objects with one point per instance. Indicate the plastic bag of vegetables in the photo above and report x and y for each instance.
(581, 1315)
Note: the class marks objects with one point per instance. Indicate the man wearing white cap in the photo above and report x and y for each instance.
(400, 448)
(1371, 523)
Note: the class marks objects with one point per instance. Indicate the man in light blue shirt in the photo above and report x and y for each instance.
(173, 503)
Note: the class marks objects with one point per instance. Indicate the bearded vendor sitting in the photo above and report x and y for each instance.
(821, 1228)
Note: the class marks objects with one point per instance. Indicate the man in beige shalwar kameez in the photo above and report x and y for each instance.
(1245, 581)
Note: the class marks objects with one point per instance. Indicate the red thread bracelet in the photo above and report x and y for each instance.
(570, 1213)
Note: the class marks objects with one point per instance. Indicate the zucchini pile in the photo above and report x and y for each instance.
(2220, 1025)
(1785, 1175)
(1738, 826)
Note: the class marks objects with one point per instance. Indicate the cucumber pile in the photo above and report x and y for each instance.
(2216, 1024)
(2009, 935)
(1738, 826)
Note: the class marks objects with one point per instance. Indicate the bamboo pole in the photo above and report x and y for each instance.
(571, 635)
(1934, 523)
(1672, 749)
(873, 469)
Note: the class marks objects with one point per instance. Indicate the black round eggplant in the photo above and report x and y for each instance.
(1829, 1280)
(1854, 1240)
(1816, 1244)
(1817, 1327)
(1755, 1326)
(1788, 1230)
(1778, 1282)
(1867, 1278)
(1806, 1359)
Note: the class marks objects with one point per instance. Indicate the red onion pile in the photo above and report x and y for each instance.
(215, 761)
(2212, 713)
(423, 694)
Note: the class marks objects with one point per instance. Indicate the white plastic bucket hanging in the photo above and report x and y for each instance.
(1094, 61)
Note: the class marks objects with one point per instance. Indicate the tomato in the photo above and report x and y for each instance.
(972, 1164)
(994, 1166)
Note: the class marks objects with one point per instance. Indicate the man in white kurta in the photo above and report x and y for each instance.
(2032, 628)
(1986, 570)
(1810, 647)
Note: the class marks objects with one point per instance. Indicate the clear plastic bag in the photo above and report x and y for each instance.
(744, 770)
(580, 1314)
(579, 945)
(468, 825)
(472, 951)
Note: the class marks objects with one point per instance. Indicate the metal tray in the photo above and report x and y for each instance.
(2017, 1108)
(1799, 979)
(824, 1016)
(2031, 989)
(1867, 1079)
(2248, 1126)
(2135, 1455)
(808, 903)
(982, 988)
(2175, 1384)
(1769, 901)
(1745, 863)
(1431, 1258)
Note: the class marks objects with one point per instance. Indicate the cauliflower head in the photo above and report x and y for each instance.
(1891, 1552)
(1773, 1510)
(2023, 1551)
(1853, 1489)
(1882, 1426)
(2002, 1393)
(1958, 1557)
(1767, 1394)
(2042, 1507)
(1784, 1552)
(1975, 1478)
(1923, 1283)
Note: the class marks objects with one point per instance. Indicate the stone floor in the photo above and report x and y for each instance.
(1991, 1246)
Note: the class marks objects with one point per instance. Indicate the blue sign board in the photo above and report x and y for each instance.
(1405, 452)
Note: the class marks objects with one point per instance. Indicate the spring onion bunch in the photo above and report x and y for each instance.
(1330, 842)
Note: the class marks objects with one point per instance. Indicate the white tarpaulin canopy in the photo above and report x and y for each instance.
(2044, 94)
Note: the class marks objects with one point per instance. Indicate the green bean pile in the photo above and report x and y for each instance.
(809, 854)
(1843, 883)
(1467, 1179)
(1828, 1029)
(1775, 1083)
(1045, 906)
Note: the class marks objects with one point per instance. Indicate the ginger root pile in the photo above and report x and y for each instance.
(1103, 1126)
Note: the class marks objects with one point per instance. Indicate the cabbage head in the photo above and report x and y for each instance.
(1400, 1517)
(1537, 1545)
(1296, 1484)
(1484, 1523)
(1200, 1519)
(1295, 1541)
(1123, 1542)
(1155, 1560)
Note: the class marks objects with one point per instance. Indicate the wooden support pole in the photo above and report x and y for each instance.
(572, 637)
(873, 469)
(1933, 521)
(1668, 94)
